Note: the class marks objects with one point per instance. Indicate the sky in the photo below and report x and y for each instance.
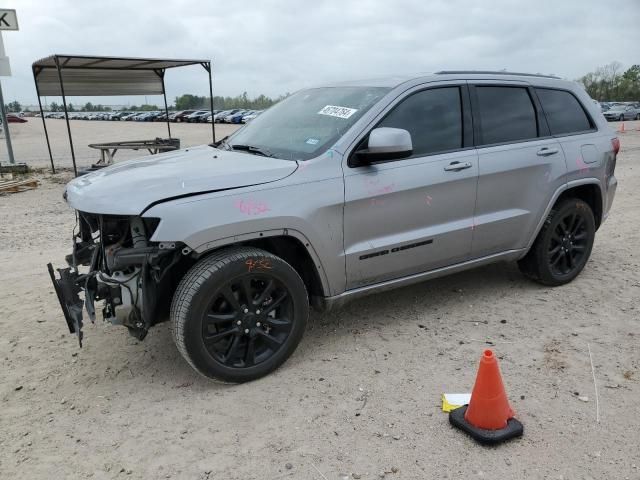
(278, 46)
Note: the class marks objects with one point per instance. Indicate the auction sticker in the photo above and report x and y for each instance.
(335, 111)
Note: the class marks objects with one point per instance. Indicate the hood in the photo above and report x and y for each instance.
(128, 188)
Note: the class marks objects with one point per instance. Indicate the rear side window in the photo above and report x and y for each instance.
(564, 112)
(433, 118)
(506, 114)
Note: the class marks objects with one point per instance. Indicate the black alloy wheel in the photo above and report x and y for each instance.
(248, 320)
(568, 243)
(239, 313)
(563, 245)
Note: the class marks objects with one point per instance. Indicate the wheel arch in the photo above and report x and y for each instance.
(587, 189)
(590, 193)
(290, 245)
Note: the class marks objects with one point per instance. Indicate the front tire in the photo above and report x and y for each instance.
(563, 245)
(238, 314)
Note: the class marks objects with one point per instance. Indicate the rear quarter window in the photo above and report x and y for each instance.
(565, 114)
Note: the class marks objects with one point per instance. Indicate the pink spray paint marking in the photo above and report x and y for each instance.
(428, 200)
(581, 165)
(374, 189)
(251, 207)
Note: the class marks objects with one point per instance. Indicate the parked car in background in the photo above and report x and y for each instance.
(621, 112)
(118, 115)
(181, 116)
(229, 118)
(140, 117)
(237, 117)
(13, 118)
(251, 116)
(197, 116)
(151, 116)
(162, 117)
(220, 117)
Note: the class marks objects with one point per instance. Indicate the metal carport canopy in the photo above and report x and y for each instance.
(98, 76)
(84, 75)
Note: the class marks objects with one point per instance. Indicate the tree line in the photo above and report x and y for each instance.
(55, 107)
(190, 102)
(612, 83)
(607, 83)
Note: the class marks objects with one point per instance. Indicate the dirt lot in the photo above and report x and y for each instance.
(360, 397)
(30, 146)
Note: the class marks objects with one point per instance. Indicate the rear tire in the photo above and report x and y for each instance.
(563, 245)
(238, 314)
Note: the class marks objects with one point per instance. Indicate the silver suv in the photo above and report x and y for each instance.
(334, 193)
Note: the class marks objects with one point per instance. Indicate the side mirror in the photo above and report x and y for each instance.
(385, 143)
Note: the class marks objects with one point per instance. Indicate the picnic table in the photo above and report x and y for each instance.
(158, 145)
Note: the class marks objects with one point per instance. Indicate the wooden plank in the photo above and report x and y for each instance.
(18, 185)
(18, 182)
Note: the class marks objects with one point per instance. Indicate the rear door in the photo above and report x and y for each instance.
(520, 165)
(412, 215)
(570, 123)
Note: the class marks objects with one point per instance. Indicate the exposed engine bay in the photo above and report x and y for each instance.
(113, 261)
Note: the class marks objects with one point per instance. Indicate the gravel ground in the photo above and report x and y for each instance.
(30, 146)
(360, 398)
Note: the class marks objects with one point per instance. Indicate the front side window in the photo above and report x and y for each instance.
(433, 118)
(563, 111)
(506, 114)
(307, 123)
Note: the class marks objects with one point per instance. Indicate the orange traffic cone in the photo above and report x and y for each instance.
(488, 418)
(621, 129)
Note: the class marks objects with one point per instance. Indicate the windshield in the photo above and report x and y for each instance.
(308, 122)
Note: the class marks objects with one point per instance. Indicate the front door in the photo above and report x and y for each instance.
(412, 215)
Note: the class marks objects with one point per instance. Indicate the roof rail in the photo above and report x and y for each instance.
(490, 72)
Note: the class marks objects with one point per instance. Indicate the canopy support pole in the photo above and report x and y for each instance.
(207, 67)
(164, 94)
(66, 116)
(44, 124)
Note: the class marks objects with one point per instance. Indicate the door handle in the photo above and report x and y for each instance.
(457, 166)
(545, 152)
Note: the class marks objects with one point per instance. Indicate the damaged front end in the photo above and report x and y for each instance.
(114, 261)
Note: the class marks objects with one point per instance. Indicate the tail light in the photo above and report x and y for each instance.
(615, 143)
(611, 165)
